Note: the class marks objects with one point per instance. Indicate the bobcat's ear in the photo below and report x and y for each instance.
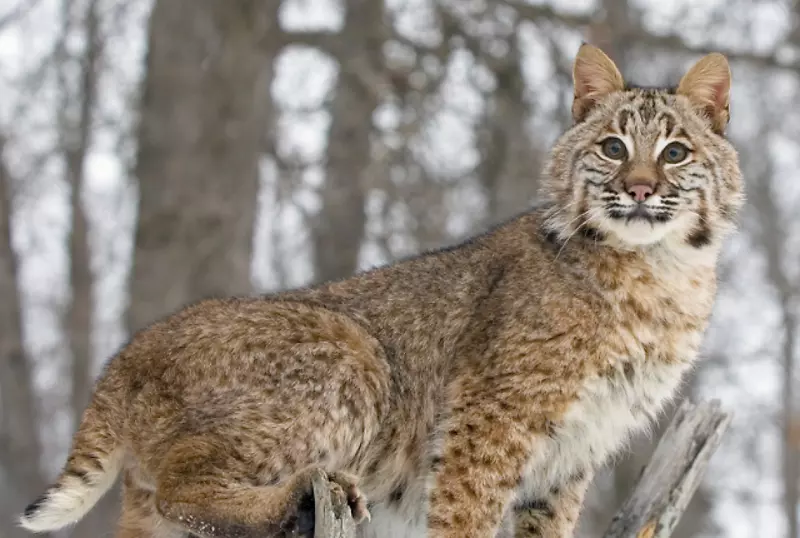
(595, 76)
(708, 86)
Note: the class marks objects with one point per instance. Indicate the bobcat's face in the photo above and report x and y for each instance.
(649, 167)
(643, 166)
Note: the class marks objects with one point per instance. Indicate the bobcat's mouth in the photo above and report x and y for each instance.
(638, 212)
(639, 223)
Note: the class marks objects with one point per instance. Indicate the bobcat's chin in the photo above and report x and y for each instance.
(643, 224)
(637, 230)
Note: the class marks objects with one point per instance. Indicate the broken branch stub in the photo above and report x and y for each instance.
(673, 474)
(332, 513)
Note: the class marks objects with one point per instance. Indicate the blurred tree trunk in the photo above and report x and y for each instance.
(21, 479)
(200, 137)
(789, 419)
(772, 239)
(339, 228)
(75, 144)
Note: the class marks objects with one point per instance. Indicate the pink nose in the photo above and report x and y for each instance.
(640, 191)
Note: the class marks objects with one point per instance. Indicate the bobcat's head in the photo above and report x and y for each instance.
(644, 166)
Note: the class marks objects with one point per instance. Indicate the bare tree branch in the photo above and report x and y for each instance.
(666, 42)
(19, 11)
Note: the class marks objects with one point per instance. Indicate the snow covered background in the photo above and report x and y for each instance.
(745, 338)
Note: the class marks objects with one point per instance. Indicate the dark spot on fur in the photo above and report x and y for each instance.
(555, 490)
(31, 509)
(437, 522)
(669, 123)
(373, 467)
(591, 233)
(471, 444)
(507, 482)
(78, 473)
(553, 239)
(470, 490)
(629, 371)
(495, 278)
(549, 428)
(397, 494)
(700, 237)
(436, 463)
(623, 119)
(96, 461)
(536, 505)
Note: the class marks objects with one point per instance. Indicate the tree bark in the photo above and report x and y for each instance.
(771, 239)
(19, 439)
(333, 519)
(200, 137)
(790, 450)
(76, 142)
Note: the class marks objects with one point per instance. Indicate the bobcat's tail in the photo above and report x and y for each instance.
(93, 464)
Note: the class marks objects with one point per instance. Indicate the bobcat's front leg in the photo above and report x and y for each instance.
(485, 444)
(553, 515)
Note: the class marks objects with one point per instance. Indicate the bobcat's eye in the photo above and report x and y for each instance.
(614, 148)
(675, 152)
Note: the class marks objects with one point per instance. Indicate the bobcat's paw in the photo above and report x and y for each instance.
(348, 485)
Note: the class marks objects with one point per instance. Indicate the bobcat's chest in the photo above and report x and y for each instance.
(637, 359)
(608, 410)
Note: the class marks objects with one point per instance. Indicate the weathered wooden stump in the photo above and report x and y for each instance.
(673, 474)
(333, 519)
(653, 508)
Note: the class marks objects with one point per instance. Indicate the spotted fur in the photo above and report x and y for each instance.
(464, 393)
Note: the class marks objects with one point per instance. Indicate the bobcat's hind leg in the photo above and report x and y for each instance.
(138, 517)
(201, 490)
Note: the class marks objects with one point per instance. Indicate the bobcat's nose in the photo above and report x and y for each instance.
(640, 191)
(640, 183)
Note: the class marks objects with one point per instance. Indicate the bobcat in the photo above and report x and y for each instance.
(465, 392)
